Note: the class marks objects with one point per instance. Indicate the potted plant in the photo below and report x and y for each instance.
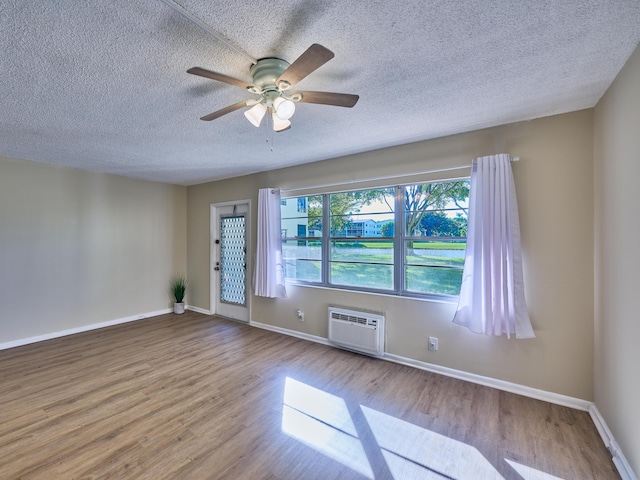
(178, 288)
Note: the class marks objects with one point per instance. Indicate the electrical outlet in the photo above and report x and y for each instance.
(300, 315)
(433, 344)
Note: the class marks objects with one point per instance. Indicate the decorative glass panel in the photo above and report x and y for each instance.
(232, 260)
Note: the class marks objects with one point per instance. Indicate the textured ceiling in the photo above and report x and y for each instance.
(102, 84)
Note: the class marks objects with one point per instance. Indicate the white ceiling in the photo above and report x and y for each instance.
(102, 84)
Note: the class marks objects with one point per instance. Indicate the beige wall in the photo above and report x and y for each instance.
(617, 345)
(554, 181)
(79, 248)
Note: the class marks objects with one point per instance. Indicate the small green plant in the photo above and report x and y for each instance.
(179, 287)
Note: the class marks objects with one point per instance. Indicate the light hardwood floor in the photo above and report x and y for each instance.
(196, 397)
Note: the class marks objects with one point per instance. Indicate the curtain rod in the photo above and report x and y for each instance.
(375, 179)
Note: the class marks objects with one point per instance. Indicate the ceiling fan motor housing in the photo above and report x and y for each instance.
(266, 72)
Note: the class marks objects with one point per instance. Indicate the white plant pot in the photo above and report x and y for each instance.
(178, 308)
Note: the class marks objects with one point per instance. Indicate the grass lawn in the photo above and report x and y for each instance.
(419, 279)
(416, 245)
(370, 265)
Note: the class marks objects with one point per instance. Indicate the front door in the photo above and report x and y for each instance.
(230, 285)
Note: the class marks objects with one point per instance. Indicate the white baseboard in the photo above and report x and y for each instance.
(83, 328)
(624, 469)
(198, 309)
(450, 372)
(291, 333)
(538, 394)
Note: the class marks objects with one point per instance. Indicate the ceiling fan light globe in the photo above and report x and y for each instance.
(255, 114)
(280, 124)
(284, 108)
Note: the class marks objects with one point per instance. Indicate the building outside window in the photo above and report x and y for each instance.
(302, 239)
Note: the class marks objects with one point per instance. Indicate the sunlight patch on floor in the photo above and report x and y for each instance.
(322, 421)
(428, 450)
(528, 473)
(402, 468)
(319, 404)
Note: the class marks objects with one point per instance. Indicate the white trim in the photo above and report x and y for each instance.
(292, 333)
(550, 397)
(198, 309)
(624, 469)
(83, 328)
(432, 299)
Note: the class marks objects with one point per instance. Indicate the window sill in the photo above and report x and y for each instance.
(425, 298)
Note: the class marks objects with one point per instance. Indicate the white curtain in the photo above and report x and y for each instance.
(268, 279)
(492, 293)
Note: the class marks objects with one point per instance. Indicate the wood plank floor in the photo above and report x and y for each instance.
(195, 397)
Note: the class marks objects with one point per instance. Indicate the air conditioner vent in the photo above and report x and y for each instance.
(354, 319)
(359, 331)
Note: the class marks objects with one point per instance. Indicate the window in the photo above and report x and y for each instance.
(302, 252)
(363, 250)
(434, 240)
(358, 257)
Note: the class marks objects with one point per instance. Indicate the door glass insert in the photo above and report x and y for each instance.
(232, 259)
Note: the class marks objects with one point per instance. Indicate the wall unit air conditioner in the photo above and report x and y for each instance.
(359, 331)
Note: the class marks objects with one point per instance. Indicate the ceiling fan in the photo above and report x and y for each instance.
(272, 80)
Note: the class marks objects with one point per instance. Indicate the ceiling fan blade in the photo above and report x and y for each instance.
(224, 111)
(220, 77)
(328, 98)
(313, 58)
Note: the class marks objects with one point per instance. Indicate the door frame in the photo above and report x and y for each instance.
(214, 277)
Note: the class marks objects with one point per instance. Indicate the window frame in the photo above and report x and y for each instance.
(399, 241)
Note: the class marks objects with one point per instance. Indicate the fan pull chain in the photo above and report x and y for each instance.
(267, 127)
(270, 131)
